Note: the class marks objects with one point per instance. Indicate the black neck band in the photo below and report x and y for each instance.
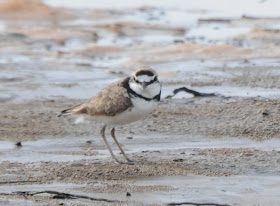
(133, 93)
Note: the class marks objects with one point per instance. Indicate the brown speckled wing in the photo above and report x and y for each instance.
(110, 101)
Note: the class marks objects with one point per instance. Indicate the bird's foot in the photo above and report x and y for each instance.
(129, 162)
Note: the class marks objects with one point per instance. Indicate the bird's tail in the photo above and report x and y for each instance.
(78, 109)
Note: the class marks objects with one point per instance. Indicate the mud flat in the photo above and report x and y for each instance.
(220, 150)
(181, 156)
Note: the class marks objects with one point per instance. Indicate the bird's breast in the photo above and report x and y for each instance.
(143, 106)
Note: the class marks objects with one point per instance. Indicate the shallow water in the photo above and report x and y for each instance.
(23, 84)
(231, 190)
(194, 43)
(218, 7)
(235, 189)
(55, 149)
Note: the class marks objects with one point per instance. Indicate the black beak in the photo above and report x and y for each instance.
(144, 84)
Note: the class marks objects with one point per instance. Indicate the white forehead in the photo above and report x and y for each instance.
(144, 78)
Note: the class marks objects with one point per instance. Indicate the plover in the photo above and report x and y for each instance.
(122, 102)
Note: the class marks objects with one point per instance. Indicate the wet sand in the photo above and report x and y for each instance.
(211, 140)
(222, 149)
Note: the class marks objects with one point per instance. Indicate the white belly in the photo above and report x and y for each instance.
(141, 108)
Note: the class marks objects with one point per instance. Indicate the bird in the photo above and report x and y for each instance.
(125, 101)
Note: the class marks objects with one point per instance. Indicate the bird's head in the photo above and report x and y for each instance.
(145, 82)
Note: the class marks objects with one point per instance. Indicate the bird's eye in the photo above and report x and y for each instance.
(136, 80)
(155, 79)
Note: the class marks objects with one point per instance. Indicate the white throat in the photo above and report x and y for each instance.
(149, 92)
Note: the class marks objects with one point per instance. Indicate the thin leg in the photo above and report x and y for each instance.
(102, 132)
(123, 153)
